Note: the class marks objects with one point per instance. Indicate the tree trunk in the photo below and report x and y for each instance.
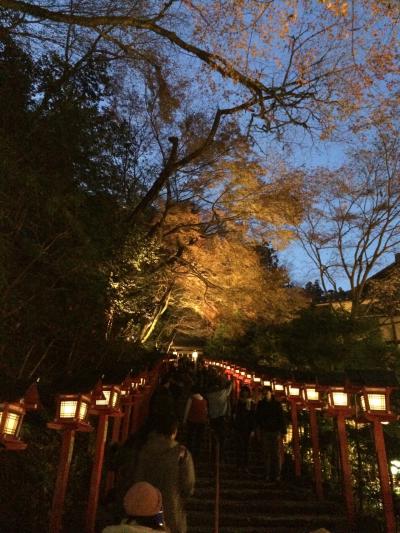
(162, 306)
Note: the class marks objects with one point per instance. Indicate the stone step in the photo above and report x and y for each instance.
(261, 529)
(293, 520)
(247, 489)
(260, 504)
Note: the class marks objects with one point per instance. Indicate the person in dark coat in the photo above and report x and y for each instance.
(243, 423)
(168, 465)
(218, 409)
(270, 427)
(162, 402)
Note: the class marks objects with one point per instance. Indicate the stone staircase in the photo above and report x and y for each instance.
(250, 505)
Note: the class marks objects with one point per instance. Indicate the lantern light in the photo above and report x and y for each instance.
(395, 467)
(242, 373)
(72, 408)
(376, 402)
(310, 394)
(249, 376)
(287, 439)
(11, 416)
(126, 386)
(293, 391)
(339, 399)
(195, 355)
(256, 379)
(110, 400)
(266, 383)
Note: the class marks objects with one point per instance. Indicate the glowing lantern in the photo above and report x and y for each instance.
(376, 402)
(126, 387)
(11, 416)
(339, 399)
(293, 391)
(106, 399)
(310, 394)
(71, 409)
(278, 388)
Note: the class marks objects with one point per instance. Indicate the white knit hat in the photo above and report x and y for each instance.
(142, 499)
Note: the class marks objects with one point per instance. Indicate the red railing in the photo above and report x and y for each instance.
(217, 484)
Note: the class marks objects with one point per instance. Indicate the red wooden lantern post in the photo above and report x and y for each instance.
(313, 402)
(137, 401)
(293, 396)
(256, 386)
(104, 407)
(375, 403)
(236, 385)
(146, 390)
(117, 436)
(127, 403)
(278, 388)
(339, 407)
(72, 413)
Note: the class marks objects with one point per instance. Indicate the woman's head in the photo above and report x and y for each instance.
(166, 425)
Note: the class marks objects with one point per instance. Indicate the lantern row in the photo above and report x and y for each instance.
(373, 400)
(71, 409)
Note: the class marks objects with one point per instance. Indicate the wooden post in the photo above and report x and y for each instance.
(110, 478)
(315, 449)
(296, 439)
(96, 473)
(135, 414)
(345, 466)
(217, 483)
(386, 491)
(57, 509)
(126, 420)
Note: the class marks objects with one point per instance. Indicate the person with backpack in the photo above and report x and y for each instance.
(168, 465)
(195, 418)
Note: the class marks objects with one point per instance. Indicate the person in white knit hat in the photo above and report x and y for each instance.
(143, 508)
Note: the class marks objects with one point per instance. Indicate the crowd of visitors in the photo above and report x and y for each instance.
(155, 466)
